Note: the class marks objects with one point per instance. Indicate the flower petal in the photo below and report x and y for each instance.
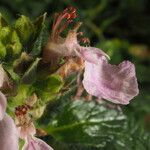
(8, 134)
(117, 84)
(2, 75)
(3, 103)
(24, 131)
(36, 144)
(91, 54)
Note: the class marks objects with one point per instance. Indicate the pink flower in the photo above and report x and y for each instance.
(8, 134)
(27, 133)
(36, 144)
(117, 84)
(26, 128)
(8, 131)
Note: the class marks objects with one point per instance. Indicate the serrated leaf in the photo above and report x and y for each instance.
(39, 23)
(39, 35)
(24, 28)
(87, 123)
(30, 75)
(38, 44)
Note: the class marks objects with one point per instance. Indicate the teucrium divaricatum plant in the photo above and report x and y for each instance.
(56, 84)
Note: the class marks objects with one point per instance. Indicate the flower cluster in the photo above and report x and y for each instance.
(27, 130)
(23, 128)
(117, 84)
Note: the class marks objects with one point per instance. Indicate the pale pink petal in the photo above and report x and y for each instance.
(91, 54)
(36, 144)
(25, 131)
(2, 75)
(117, 84)
(8, 134)
(3, 103)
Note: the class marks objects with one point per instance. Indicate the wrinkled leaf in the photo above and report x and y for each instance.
(87, 123)
(134, 137)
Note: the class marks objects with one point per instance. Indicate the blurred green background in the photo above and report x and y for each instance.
(119, 27)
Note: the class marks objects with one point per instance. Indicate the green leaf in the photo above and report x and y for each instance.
(52, 83)
(31, 74)
(87, 123)
(48, 89)
(10, 39)
(24, 28)
(38, 44)
(40, 35)
(11, 73)
(14, 47)
(46, 96)
(39, 24)
(5, 35)
(134, 137)
(23, 92)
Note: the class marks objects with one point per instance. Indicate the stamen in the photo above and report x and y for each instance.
(69, 14)
(55, 19)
